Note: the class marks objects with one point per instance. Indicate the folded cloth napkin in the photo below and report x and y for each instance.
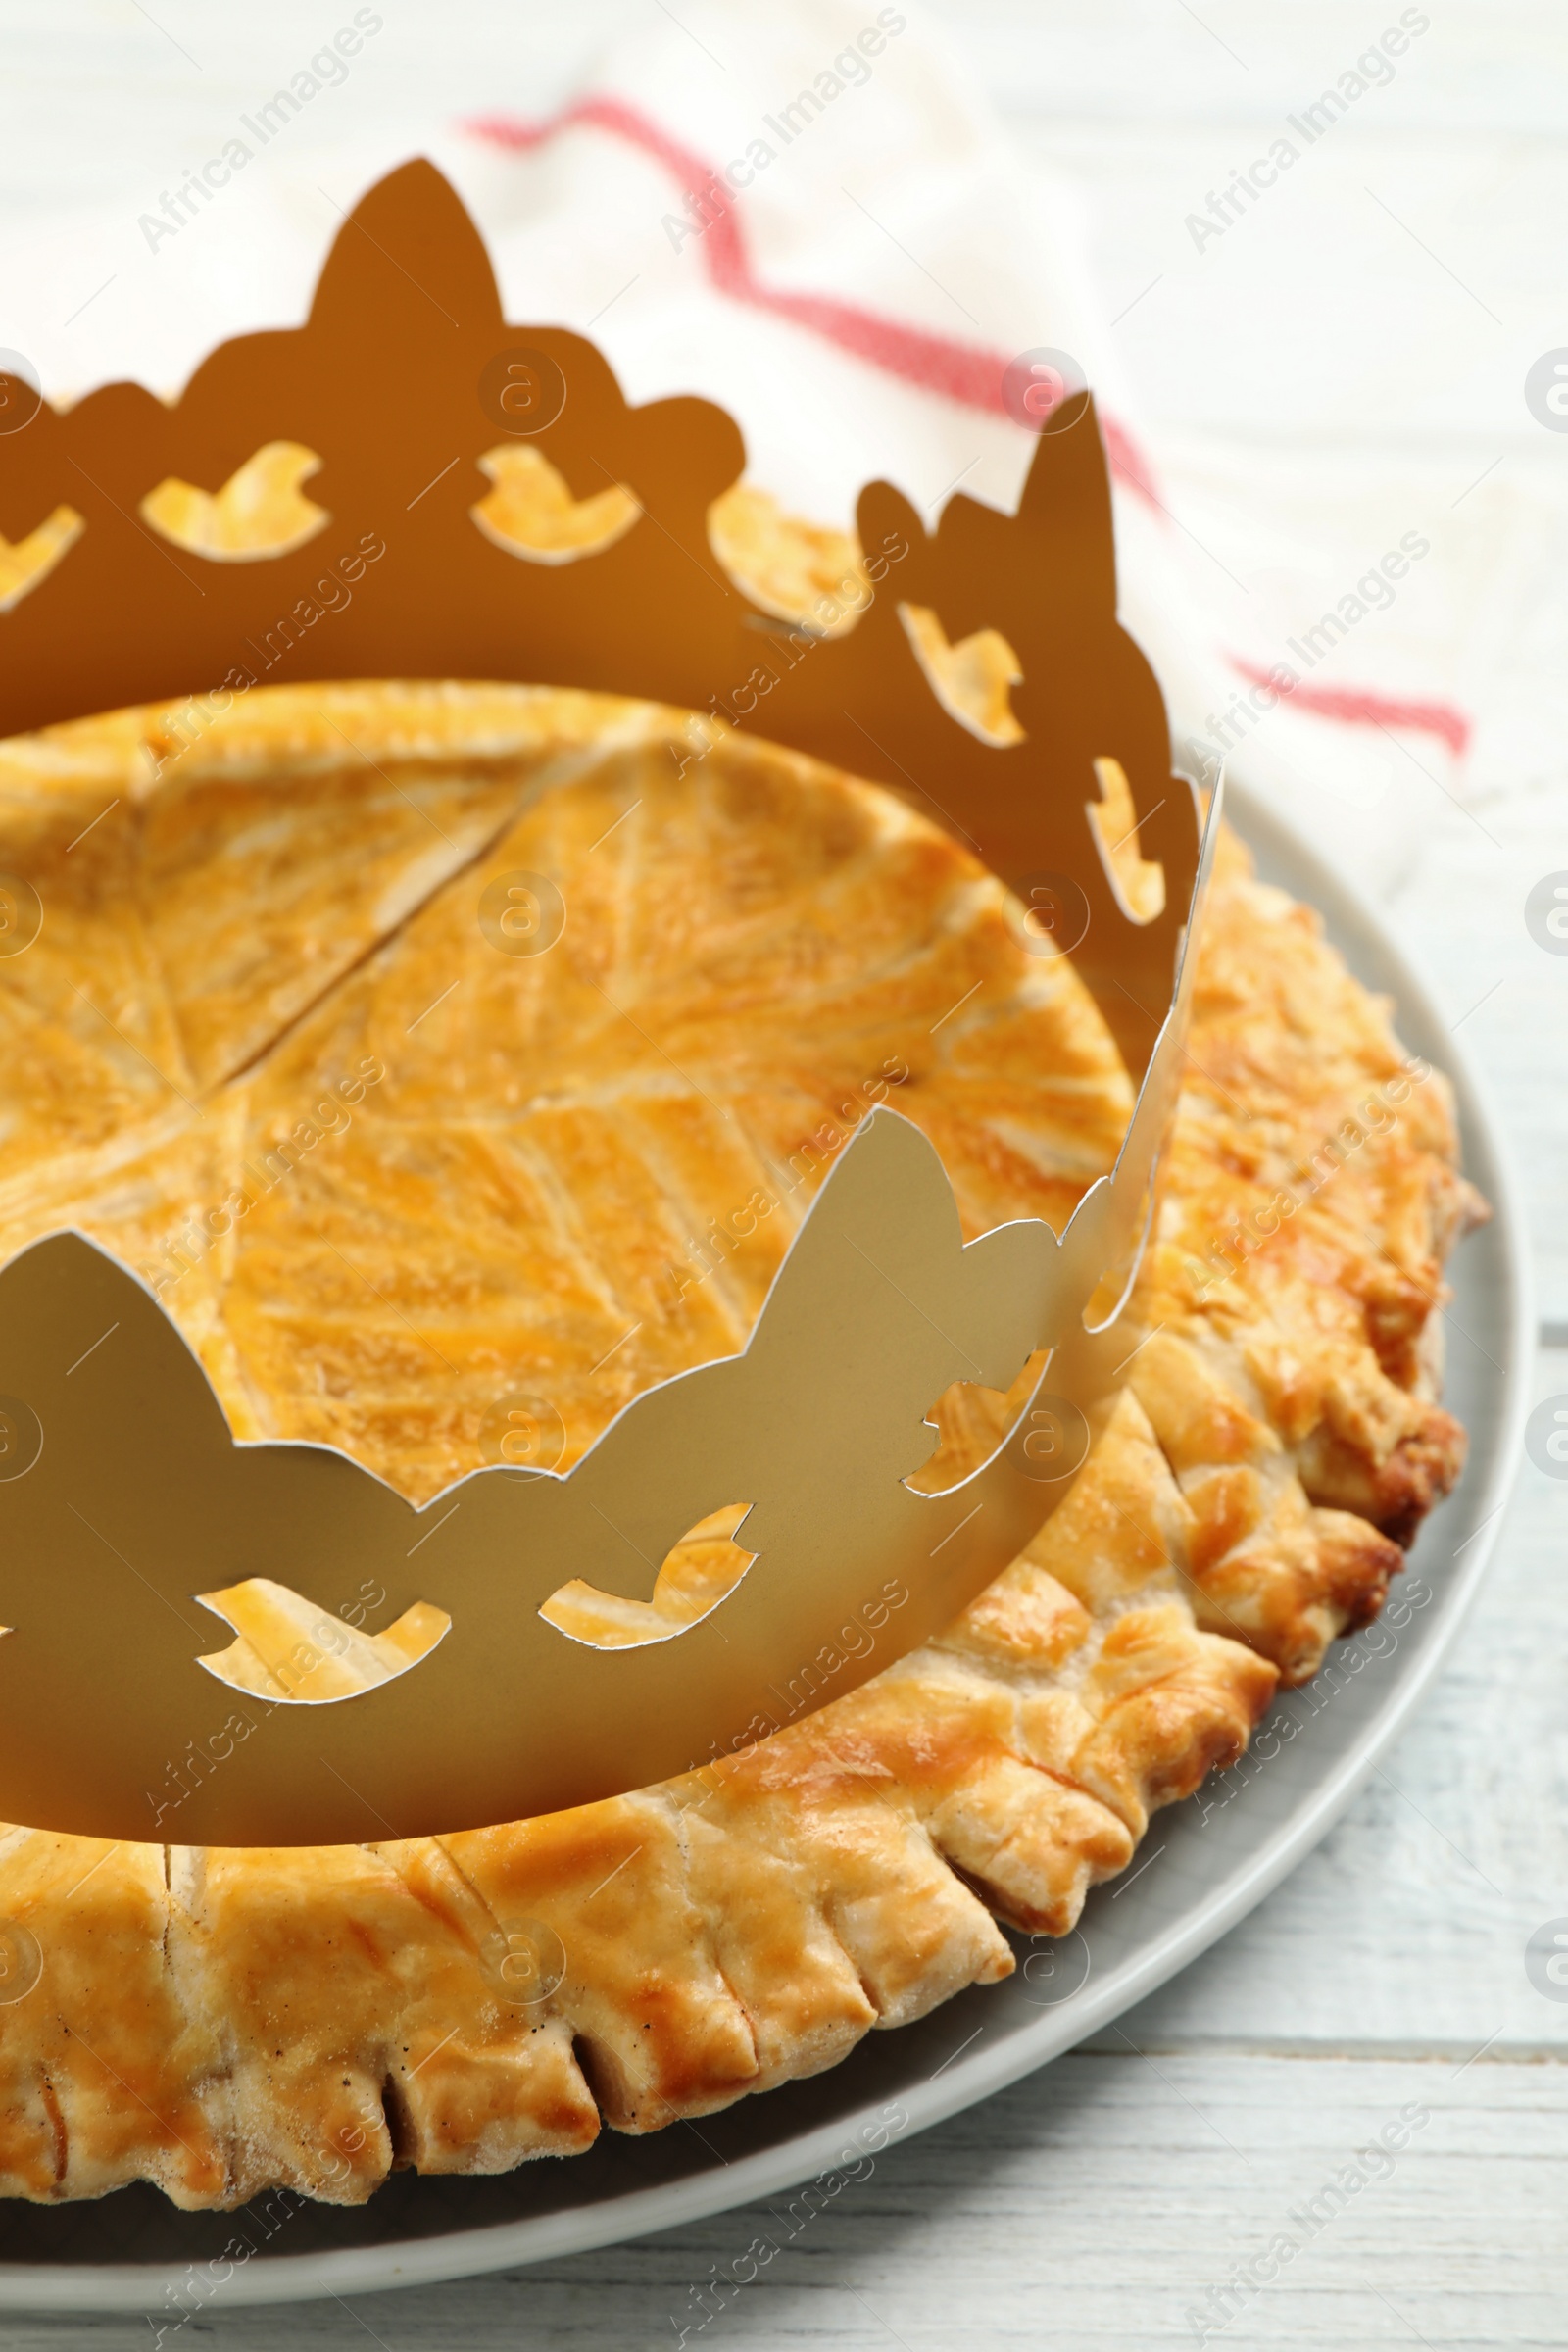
(813, 216)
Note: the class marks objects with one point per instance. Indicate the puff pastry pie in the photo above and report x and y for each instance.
(384, 1175)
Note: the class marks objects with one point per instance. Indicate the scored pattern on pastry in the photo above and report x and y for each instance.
(276, 915)
(385, 1174)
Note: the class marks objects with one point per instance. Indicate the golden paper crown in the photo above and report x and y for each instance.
(408, 386)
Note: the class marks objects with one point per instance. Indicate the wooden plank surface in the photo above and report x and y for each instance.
(1110, 2200)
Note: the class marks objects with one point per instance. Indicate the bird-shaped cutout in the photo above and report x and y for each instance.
(287, 1649)
(531, 511)
(1138, 881)
(972, 679)
(260, 511)
(31, 560)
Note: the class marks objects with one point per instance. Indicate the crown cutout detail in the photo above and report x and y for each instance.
(222, 524)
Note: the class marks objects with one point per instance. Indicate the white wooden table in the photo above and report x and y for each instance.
(1102, 2201)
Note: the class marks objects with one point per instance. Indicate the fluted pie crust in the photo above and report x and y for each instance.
(553, 1150)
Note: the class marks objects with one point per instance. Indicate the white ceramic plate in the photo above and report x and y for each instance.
(1207, 1863)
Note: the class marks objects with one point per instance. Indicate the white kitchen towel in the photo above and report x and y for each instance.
(813, 216)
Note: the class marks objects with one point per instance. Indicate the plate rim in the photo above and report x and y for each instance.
(642, 2212)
